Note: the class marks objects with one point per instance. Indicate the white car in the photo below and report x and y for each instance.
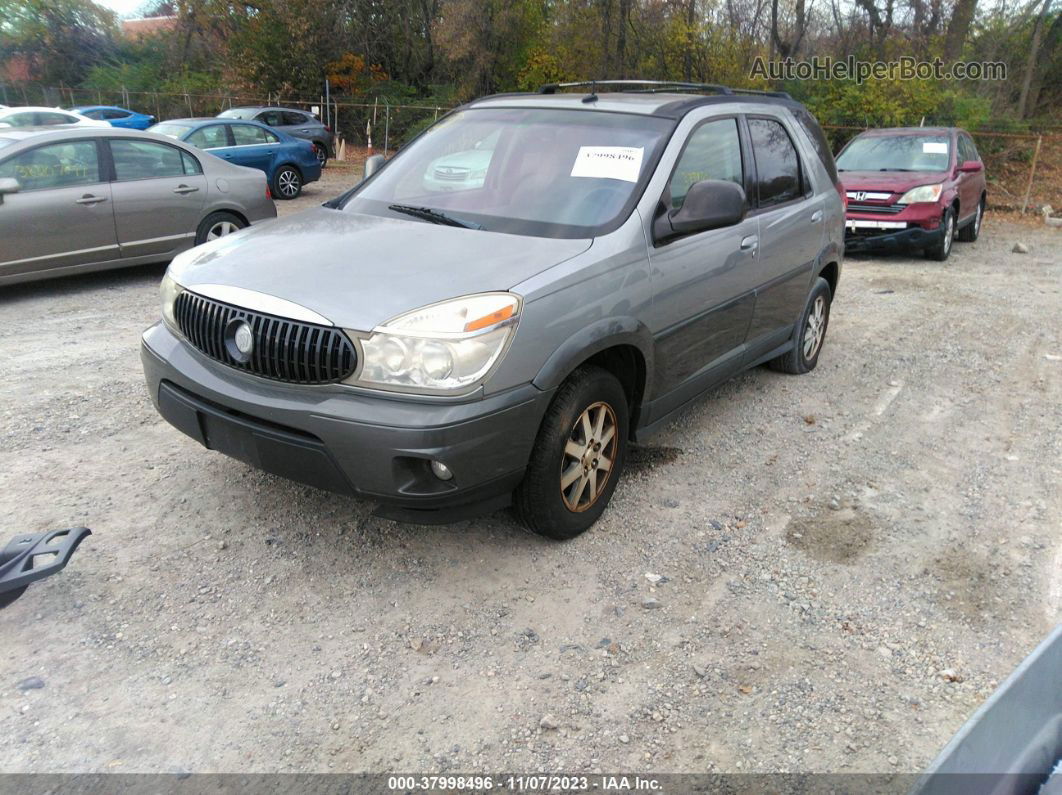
(45, 117)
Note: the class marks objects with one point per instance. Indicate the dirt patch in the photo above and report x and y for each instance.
(832, 536)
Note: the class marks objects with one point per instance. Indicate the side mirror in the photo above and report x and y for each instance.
(971, 167)
(709, 204)
(372, 165)
(8, 185)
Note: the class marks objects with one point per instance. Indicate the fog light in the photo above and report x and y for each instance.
(442, 472)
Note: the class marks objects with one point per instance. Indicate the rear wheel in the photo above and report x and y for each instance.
(287, 183)
(217, 225)
(578, 456)
(970, 232)
(321, 151)
(810, 333)
(942, 249)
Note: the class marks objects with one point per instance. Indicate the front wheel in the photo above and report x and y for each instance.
(810, 332)
(578, 456)
(941, 250)
(287, 183)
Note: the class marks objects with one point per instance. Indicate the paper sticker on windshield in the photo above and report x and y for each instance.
(934, 148)
(609, 162)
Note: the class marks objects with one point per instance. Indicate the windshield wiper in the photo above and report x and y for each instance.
(433, 216)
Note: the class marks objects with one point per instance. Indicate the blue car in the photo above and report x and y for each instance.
(289, 163)
(117, 117)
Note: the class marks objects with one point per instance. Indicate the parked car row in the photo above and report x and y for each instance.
(493, 313)
(285, 164)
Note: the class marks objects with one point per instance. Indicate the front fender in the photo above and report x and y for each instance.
(605, 333)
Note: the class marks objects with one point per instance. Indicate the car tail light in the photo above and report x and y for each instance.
(328, 129)
(843, 193)
(269, 193)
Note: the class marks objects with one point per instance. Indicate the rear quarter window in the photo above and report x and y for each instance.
(812, 129)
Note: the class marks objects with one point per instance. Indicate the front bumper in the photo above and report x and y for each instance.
(899, 240)
(349, 441)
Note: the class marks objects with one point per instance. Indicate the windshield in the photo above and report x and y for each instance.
(530, 171)
(170, 129)
(237, 113)
(896, 153)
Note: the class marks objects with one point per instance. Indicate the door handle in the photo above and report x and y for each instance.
(304, 131)
(88, 198)
(816, 216)
(750, 243)
(182, 189)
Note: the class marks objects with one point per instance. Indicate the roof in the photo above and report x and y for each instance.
(886, 131)
(667, 104)
(83, 108)
(198, 120)
(59, 132)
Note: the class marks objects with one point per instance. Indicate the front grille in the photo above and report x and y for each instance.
(283, 349)
(888, 209)
(452, 174)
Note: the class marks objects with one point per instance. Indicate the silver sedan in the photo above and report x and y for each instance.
(81, 199)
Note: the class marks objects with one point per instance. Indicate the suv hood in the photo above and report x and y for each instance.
(360, 271)
(891, 181)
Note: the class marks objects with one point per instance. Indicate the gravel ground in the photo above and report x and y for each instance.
(818, 573)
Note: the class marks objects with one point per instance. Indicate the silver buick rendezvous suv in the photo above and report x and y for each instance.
(491, 315)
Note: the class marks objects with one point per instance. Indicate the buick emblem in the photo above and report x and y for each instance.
(239, 339)
(243, 338)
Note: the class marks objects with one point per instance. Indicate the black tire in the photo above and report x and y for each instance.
(970, 232)
(800, 360)
(287, 183)
(941, 250)
(214, 223)
(321, 151)
(541, 502)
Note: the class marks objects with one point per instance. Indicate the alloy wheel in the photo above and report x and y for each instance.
(321, 152)
(949, 232)
(220, 229)
(588, 457)
(815, 328)
(288, 183)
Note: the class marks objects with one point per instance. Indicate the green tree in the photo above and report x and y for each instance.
(57, 40)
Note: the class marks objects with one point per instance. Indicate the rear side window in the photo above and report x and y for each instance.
(145, 160)
(249, 135)
(818, 139)
(54, 166)
(212, 137)
(55, 118)
(191, 165)
(272, 118)
(712, 152)
(115, 114)
(777, 163)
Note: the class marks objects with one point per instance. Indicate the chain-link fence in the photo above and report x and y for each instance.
(356, 120)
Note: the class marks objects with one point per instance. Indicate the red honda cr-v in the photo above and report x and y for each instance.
(912, 188)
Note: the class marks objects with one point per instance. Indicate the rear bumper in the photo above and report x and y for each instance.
(899, 240)
(346, 440)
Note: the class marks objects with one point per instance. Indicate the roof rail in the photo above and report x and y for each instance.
(654, 86)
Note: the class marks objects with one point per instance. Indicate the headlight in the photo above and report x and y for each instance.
(445, 347)
(169, 290)
(923, 193)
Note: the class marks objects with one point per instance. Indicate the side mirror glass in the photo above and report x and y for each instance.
(971, 167)
(709, 204)
(8, 185)
(372, 165)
